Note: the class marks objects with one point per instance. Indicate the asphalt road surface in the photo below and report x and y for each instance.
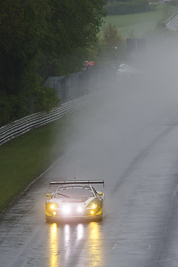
(133, 145)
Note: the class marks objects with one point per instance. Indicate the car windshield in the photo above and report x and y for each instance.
(73, 192)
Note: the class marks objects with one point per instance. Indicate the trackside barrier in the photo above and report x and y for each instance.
(77, 84)
(173, 24)
(36, 120)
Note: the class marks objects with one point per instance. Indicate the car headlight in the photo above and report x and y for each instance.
(66, 209)
(92, 205)
(79, 209)
(52, 207)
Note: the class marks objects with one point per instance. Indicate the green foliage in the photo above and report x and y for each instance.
(112, 41)
(25, 157)
(128, 7)
(140, 22)
(111, 37)
(166, 12)
(6, 107)
(11, 108)
(45, 99)
(37, 39)
(174, 2)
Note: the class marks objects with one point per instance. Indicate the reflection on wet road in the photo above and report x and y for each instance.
(134, 148)
(53, 246)
(96, 246)
(68, 241)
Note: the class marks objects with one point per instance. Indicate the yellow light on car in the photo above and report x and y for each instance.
(92, 212)
(52, 207)
(94, 206)
(54, 213)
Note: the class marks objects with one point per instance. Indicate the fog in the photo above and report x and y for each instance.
(128, 138)
(116, 127)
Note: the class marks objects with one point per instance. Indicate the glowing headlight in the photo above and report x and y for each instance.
(66, 209)
(92, 206)
(79, 209)
(52, 207)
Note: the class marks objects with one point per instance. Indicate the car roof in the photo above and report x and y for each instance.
(66, 186)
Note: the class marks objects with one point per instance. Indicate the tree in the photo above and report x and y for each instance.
(112, 41)
(36, 37)
(111, 37)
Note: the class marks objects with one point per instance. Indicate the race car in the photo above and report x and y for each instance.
(75, 199)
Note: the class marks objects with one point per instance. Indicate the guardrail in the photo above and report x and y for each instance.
(36, 120)
(172, 24)
(76, 84)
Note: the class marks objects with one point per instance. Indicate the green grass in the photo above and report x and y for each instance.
(139, 23)
(27, 156)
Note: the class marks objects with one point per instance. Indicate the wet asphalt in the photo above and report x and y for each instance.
(133, 146)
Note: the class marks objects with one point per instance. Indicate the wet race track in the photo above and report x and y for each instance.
(133, 146)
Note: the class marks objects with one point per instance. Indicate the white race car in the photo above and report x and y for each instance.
(75, 199)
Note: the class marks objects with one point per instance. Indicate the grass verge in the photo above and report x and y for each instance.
(27, 156)
(139, 23)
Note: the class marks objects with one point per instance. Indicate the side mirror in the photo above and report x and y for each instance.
(100, 194)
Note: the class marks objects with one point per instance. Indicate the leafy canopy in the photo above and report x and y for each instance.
(36, 38)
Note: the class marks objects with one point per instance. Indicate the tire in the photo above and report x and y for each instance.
(100, 219)
(48, 219)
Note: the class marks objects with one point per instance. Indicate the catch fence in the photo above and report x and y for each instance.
(77, 84)
(74, 91)
(36, 120)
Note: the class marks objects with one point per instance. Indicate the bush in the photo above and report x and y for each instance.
(174, 2)
(45, 99)
(11, 108)
(122, 8)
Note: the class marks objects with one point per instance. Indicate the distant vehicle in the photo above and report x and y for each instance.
(165, 1)
(75, 199)
(124, 68)
(125, 72)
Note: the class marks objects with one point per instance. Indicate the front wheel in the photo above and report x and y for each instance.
(99, 218)
(48, 219)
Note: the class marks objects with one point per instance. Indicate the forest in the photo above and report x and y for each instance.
(122, 7)
(38, 39)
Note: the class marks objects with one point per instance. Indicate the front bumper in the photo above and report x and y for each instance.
(57, 213)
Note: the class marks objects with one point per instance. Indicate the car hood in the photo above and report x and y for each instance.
(82, 200)
(75, 200)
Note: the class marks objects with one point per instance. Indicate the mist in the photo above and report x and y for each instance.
(114, 128)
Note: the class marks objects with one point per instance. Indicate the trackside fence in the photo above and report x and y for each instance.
(74, 91)
(77, 84)
(36, 120)
(172, 24)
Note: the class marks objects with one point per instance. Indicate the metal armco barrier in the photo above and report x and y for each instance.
(36, 120)
(76, 85)
(74, 91)
(172, 24)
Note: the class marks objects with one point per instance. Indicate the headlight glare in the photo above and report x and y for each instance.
(52, 206)
(79, 209)
(66, 209)
(92, 205)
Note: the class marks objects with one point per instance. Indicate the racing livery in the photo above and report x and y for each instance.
(75, 199)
